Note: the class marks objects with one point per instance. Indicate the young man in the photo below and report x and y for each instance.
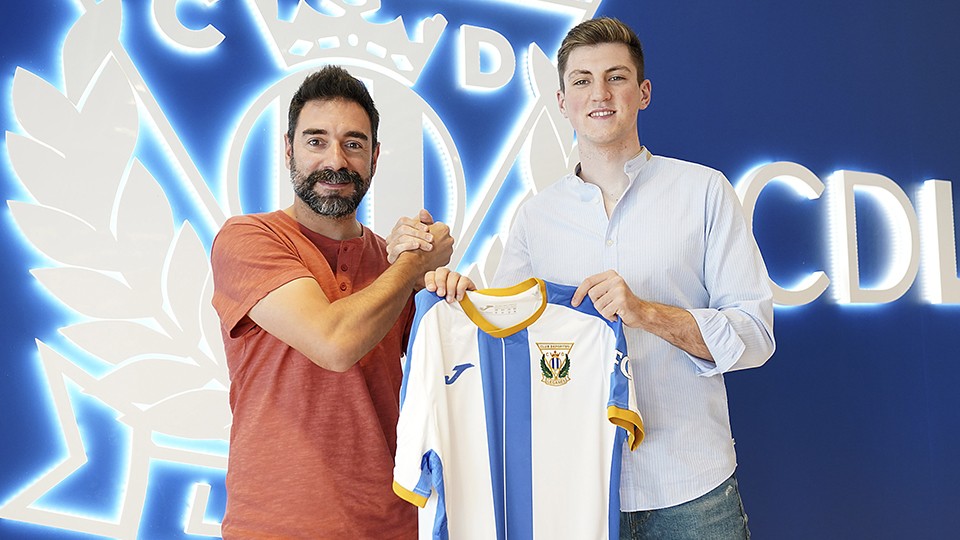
(314, 315)
(662, 244)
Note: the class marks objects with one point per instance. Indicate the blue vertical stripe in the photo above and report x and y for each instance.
(619, 383)
(491, 373)
(519, 453)
(423, 300)
(506, 393)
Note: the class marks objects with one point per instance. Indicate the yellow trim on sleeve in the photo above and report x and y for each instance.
(409, 496)
(629, 421)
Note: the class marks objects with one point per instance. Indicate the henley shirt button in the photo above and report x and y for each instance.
(343, 267)
(343, 286)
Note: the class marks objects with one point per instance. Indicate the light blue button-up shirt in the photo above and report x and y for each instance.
(677, 237)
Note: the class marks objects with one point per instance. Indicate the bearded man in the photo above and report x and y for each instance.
(315, 310)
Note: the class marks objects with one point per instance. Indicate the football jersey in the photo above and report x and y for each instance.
(515, 408)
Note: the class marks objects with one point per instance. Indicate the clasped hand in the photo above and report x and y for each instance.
(423, 234)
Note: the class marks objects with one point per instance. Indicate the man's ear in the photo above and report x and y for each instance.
(645, 94)
(287, 150)
(373, 160)
(561, 103)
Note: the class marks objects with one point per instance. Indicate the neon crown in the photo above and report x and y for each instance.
(341, 30)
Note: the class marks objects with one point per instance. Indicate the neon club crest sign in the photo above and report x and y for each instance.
(123, 204)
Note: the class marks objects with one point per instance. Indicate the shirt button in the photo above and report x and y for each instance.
(343, 267)
(609, 242)
(343, 286)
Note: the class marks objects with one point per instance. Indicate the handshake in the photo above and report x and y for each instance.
(431, 244)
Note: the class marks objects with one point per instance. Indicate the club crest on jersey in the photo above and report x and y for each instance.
(555, 363)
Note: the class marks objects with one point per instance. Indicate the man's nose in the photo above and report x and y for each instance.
(336, 158)
(601, 91)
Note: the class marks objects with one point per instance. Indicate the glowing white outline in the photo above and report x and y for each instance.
(904, 260)
(938, 245)
(803, 182)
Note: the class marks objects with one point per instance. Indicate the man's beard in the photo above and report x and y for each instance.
(334, 206)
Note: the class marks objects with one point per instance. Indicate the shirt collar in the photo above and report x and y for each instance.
(632, 168)
(634, 164)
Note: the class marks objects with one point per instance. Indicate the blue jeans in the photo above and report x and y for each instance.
(718, 515)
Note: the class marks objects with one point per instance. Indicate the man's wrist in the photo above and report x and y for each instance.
(411, 264)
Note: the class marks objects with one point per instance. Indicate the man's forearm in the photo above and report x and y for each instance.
(676, 325)
(358, 322)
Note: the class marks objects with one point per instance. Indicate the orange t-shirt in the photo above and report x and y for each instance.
(311, 450)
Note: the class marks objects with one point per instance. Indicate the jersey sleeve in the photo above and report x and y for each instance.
(418, 468)
(622, 407)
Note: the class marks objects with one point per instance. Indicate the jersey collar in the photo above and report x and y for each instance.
(478, 319)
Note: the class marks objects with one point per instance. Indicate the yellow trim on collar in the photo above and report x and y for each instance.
(471, 310)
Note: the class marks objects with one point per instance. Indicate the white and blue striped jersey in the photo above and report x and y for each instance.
(515, 408)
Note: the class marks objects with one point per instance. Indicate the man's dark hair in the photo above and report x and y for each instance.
(330, 83)
(597, 32)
